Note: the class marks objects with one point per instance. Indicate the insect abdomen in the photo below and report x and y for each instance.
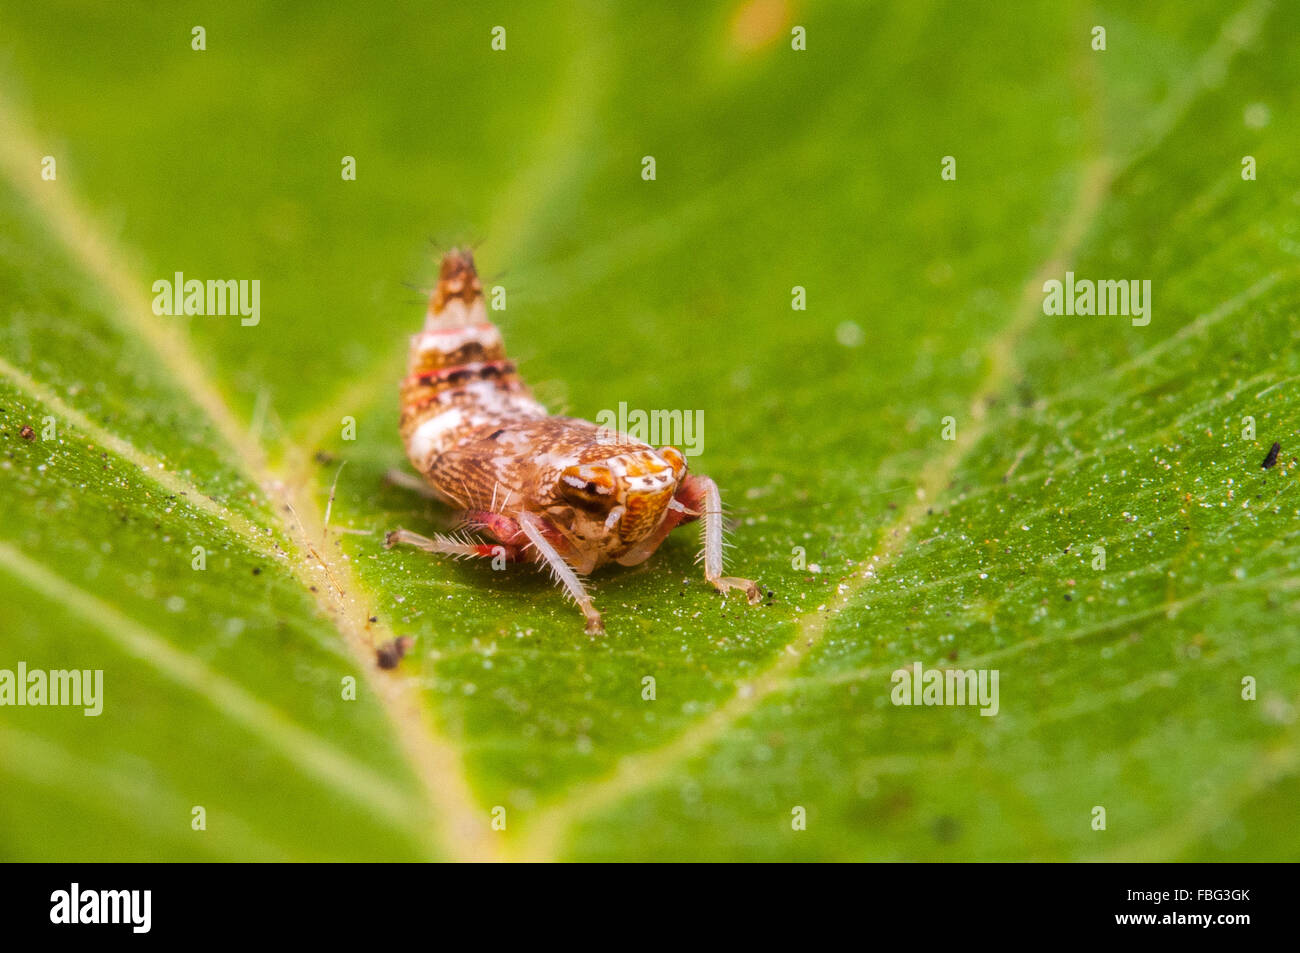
(459, 381)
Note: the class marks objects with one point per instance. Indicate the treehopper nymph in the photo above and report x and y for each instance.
(556, 491)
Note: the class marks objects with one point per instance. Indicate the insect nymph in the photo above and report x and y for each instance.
(557, 491)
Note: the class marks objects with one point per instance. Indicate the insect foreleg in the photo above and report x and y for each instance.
(562, 572)
(701, 494)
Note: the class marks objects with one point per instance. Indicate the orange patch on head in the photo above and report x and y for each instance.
(641, 465)
(590, 486)
(673, 457)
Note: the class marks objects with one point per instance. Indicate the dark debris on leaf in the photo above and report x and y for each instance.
(393, 651)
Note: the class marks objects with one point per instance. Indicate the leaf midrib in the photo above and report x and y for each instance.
(461, 824)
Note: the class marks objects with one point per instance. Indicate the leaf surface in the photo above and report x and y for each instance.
(882, 543)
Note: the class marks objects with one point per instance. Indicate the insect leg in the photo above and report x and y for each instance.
(562, 572)
(450, 545)
(410, 482)
(701, 494)
(499, 525)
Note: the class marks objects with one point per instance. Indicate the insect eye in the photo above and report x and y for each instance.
(590, 486)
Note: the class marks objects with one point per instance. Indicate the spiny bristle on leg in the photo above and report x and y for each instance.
(449, 545)
(564, 573)
(712, 530)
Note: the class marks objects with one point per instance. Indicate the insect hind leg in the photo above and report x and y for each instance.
(407, 481)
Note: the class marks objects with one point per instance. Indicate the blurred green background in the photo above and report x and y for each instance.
(882, 543)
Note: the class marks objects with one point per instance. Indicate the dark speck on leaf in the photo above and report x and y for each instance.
(391, 652)
(1271, 460)
(374, 618)
(946, 829)
(27, 433)
(257, 570)
(323, 458)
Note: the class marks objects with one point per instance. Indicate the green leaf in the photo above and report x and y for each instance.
(883, 544)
